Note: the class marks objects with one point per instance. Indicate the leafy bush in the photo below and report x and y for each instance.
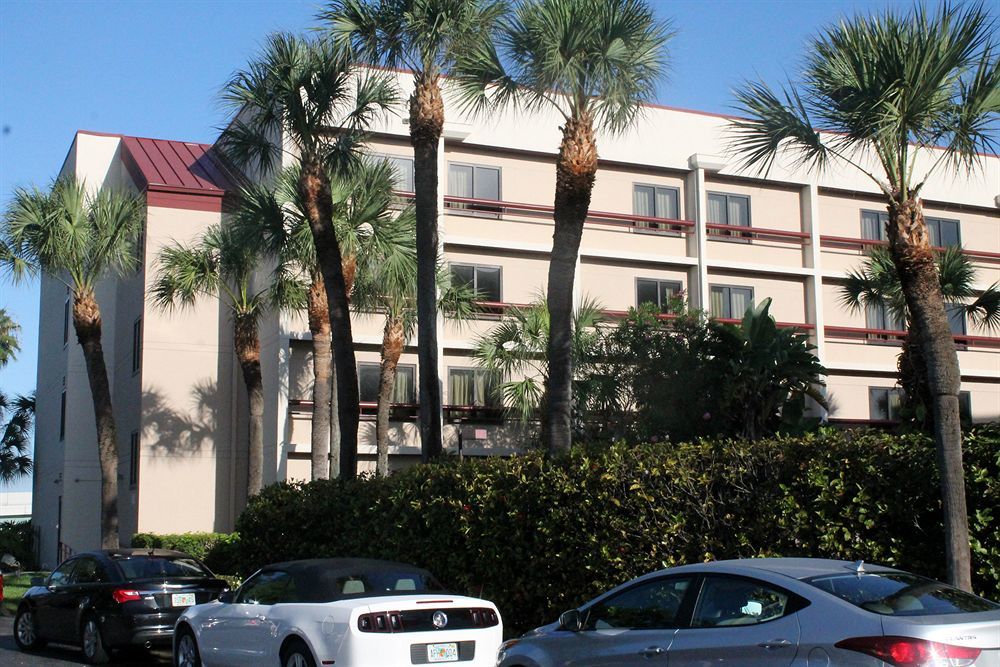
(217, 550)
(539, 535)
(18, 539)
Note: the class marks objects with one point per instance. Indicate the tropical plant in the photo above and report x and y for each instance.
(515, 352)
(910, 94)
(78, 237)
(221, 264)
(594, 62)
(16, 417)
(876, 285)
(306, 95)
(9, 345)
(426, 37)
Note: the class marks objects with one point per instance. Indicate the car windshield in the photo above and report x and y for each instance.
(156, 567)
(901, 594)
(328, 586)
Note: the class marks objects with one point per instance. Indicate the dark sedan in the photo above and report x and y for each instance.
(105, 600)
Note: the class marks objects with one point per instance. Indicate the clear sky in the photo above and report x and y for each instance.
(154, 69)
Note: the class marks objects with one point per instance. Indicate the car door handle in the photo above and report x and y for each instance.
(652, 651)
(775, 643)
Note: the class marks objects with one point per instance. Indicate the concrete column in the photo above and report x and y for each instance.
(697, 207)
(442, 187)
(284, 427)
(811, 259)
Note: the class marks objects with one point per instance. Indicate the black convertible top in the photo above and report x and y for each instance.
(330, 579)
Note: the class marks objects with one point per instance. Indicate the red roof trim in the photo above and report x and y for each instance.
(185, 201)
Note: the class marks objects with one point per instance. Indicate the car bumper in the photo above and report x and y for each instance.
(140, 629)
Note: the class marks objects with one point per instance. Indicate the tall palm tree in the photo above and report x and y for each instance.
(305, 94)
(876, 284)
(594, 62)
(221, 264)
(16, 416)
(888, 90)
(8, 337)
(78, 238)
(426, 37)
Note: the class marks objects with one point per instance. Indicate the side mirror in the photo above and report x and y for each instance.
(571, 620)
(227, 597)
(38, 581)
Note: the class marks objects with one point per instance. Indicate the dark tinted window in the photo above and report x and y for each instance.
(153, 567)
(267, 588)
(88, 571)
(901, 594)
(648, 606)
(326, 586)
(60, 576)
(729, 601)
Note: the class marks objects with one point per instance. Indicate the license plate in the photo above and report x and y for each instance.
(182, 599)
(442, 652)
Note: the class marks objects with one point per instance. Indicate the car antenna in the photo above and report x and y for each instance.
(858, 566)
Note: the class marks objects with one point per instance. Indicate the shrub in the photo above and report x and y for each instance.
(539, 535)
(217, 550)
(18, 539)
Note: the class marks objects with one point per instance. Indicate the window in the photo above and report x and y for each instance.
(266, 588)
(654, 201)
(943, 233)
(140, 250)
(728, 601)
(956, 318)
(725, 209)
(965, 408)
(404, 390)
(66, 309)
(649, 606)
(403, 168)
(884, 403)
(474, 182)
(731, 302)
(133, 459)
(656, 292)
(485, 280)
(61, 575)
(878, 316)
(136, 345)
(473, 387)
(901, 594)
(873, 225)
(88, 571)
(62, 415)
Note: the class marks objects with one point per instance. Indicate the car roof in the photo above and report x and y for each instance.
(795, 568)
(133, 552)
(345, 566)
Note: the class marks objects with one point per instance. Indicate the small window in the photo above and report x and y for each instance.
(66, 318)
(878, 316)
(474, 182)
(404, 391)
(730, 302)
(956, 318)
(884, 403)
(965, 408)
(266, 588)
(732, 210)
(61, 575)
(943, 233)
(653, 605)
(873, 225)
(88, 571)
(485, 280)
(657, 292)
(62, 416)
(136, 345)
(403, 180)
(140, 250)
(472, 387)
(727, 601)
(654, 201)
(133, 459)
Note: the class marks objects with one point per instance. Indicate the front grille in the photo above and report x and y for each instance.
(418, 653)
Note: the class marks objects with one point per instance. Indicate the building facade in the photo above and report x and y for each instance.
(670, 212)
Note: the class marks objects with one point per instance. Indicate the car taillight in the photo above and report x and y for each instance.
(484, 618)
(384, 622)
(909, 652)
(125, 595)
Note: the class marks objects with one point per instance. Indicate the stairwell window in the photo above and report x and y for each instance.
(728, 209)
(485, 280)
(472, 387)
(472, 181)
(655, 201)
(136, 345)
(884, 403)
(133, 460)
(657, 292)
(404, 390)
(730, 302)
(62, 414)
(66, 316)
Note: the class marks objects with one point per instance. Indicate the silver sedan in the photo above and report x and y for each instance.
(770, 611)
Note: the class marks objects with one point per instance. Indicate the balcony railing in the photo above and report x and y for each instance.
(734, 233)
(897, 336)
(408, 412)
(863, 244)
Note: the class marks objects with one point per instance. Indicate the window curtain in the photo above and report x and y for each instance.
(642, 204)
(740, 300)
(666, 203)
(873, 225)
(739, 211)
(718, 302)
(403, 391)
(717, 209)
(460, 180)
(460, 387)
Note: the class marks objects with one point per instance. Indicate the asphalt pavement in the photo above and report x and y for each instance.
(53, 655)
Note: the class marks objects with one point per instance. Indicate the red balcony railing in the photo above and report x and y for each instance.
(731, 232)
(897, 336)
(862, 244)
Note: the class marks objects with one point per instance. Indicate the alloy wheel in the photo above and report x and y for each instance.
(187, 652)
(26, 628)
(296, 659)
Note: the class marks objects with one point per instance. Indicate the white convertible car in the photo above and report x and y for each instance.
(343, 612)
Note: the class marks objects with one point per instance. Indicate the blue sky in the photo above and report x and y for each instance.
(155, 68)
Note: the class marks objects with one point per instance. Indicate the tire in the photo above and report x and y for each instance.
(186, 650)
(297, 654)
(94, 651)
(25, 630)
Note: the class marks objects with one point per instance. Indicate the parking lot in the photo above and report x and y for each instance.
(10, 656)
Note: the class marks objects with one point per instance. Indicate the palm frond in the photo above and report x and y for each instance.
(985, 310)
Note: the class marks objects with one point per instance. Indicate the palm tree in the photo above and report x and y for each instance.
(221, 264)
(887, 90)
(304, 93)
(426, 37)
(8, 337)
(15, 436)
(77, 238)
(595, 62)
(876, 285)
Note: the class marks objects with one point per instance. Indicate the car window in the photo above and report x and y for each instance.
(650, 605)
(730, 601)
(156, 567)
(901, 594)
(270, 587)
(60, 576)
(88, 571)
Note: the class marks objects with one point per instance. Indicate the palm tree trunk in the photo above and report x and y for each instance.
(918, 276)
(426, 125)
(247, 345)
(576, 170)
(314, 188)
(334, 421)
(87, 324)
(912, 369)
(319, 326)
(392, 349)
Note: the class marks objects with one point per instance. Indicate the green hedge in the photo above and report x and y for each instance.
(18, 539)
(219, 551)
(539, 535)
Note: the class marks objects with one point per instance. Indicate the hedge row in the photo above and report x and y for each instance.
(539, 535)
(219, 551)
